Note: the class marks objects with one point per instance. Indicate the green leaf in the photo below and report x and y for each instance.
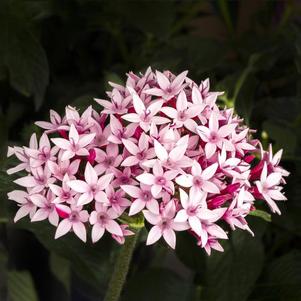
(158, 284)
(21, 286)
(22, 55)
(262, 214)
(60, 268)
(190, 253)
(282, 279)
(92, 263)
(134, 222)
(283, 136)
(3, 274)
(231, 275)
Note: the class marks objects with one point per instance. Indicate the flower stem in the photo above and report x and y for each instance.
(121, 268)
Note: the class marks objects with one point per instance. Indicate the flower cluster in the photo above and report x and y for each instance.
(160, 147)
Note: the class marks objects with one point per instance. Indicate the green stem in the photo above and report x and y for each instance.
(121, 268)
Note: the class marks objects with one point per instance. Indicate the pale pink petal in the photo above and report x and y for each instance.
(162, 80)
(80, 231)
(101, 197)
(97, 232)
(195, 224)
(131, 117)
(152, 218)
(210, 149)
(264, 173)
(130, 146)
(181, 216)
(184, 180)
(90, 175)
(217, 231)
(184, 198)
(178, 81)
(61, 143)
(227, 129)
(155, 107)
(170, 237)
(63, 228)
(210, 187)
(78, 186)
(154, 235)
(156, 189)
(23, 211)
(55, 189)
(73, 134)
(277, 195)
(86, 139)
(104, 103)
(53, 218)
(170, 112)
(131, 190)
(28, 181)
(38, 199)
(153, 206)
(146, 178)
(273, 179)
(136, 207)
(191, 125)
(181, 103)
(271, 204)
(154, 91)
(137, 102)
(196, 169)
(113, 227)
(160, 151)
(209, 172)
(213, 122)
(40, 215)
(171, 174)
(178, 152)
(85, 198)
(160, 120)
(67, 155)
(104, 181)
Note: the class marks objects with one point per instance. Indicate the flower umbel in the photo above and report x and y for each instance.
(161, 148)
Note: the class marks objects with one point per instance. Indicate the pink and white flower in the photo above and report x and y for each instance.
(160, 146)
(92, 188)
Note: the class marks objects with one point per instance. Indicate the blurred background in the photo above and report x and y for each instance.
(59, 52)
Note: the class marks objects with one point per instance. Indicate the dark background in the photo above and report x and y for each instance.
(57, 52)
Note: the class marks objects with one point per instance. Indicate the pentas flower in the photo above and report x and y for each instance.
(160, 148)
(92, 187)
(76, 145)
(143, 115)
(199, 180)
(215, 136)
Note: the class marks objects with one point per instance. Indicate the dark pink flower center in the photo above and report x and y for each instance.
(146, 196)
(160, 181)
(214, 137)
(198, 181)
(140, 156)
(74, 217)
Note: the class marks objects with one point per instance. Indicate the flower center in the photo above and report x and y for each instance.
(146, 196)
(191, 211)
(160, 181)
(140, 156)
(109, 161)
(73, 216)
(198, 181)
(182, 116)
(124, 179)
(214, 137)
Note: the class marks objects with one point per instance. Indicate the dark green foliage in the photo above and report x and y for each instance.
(54, 53)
